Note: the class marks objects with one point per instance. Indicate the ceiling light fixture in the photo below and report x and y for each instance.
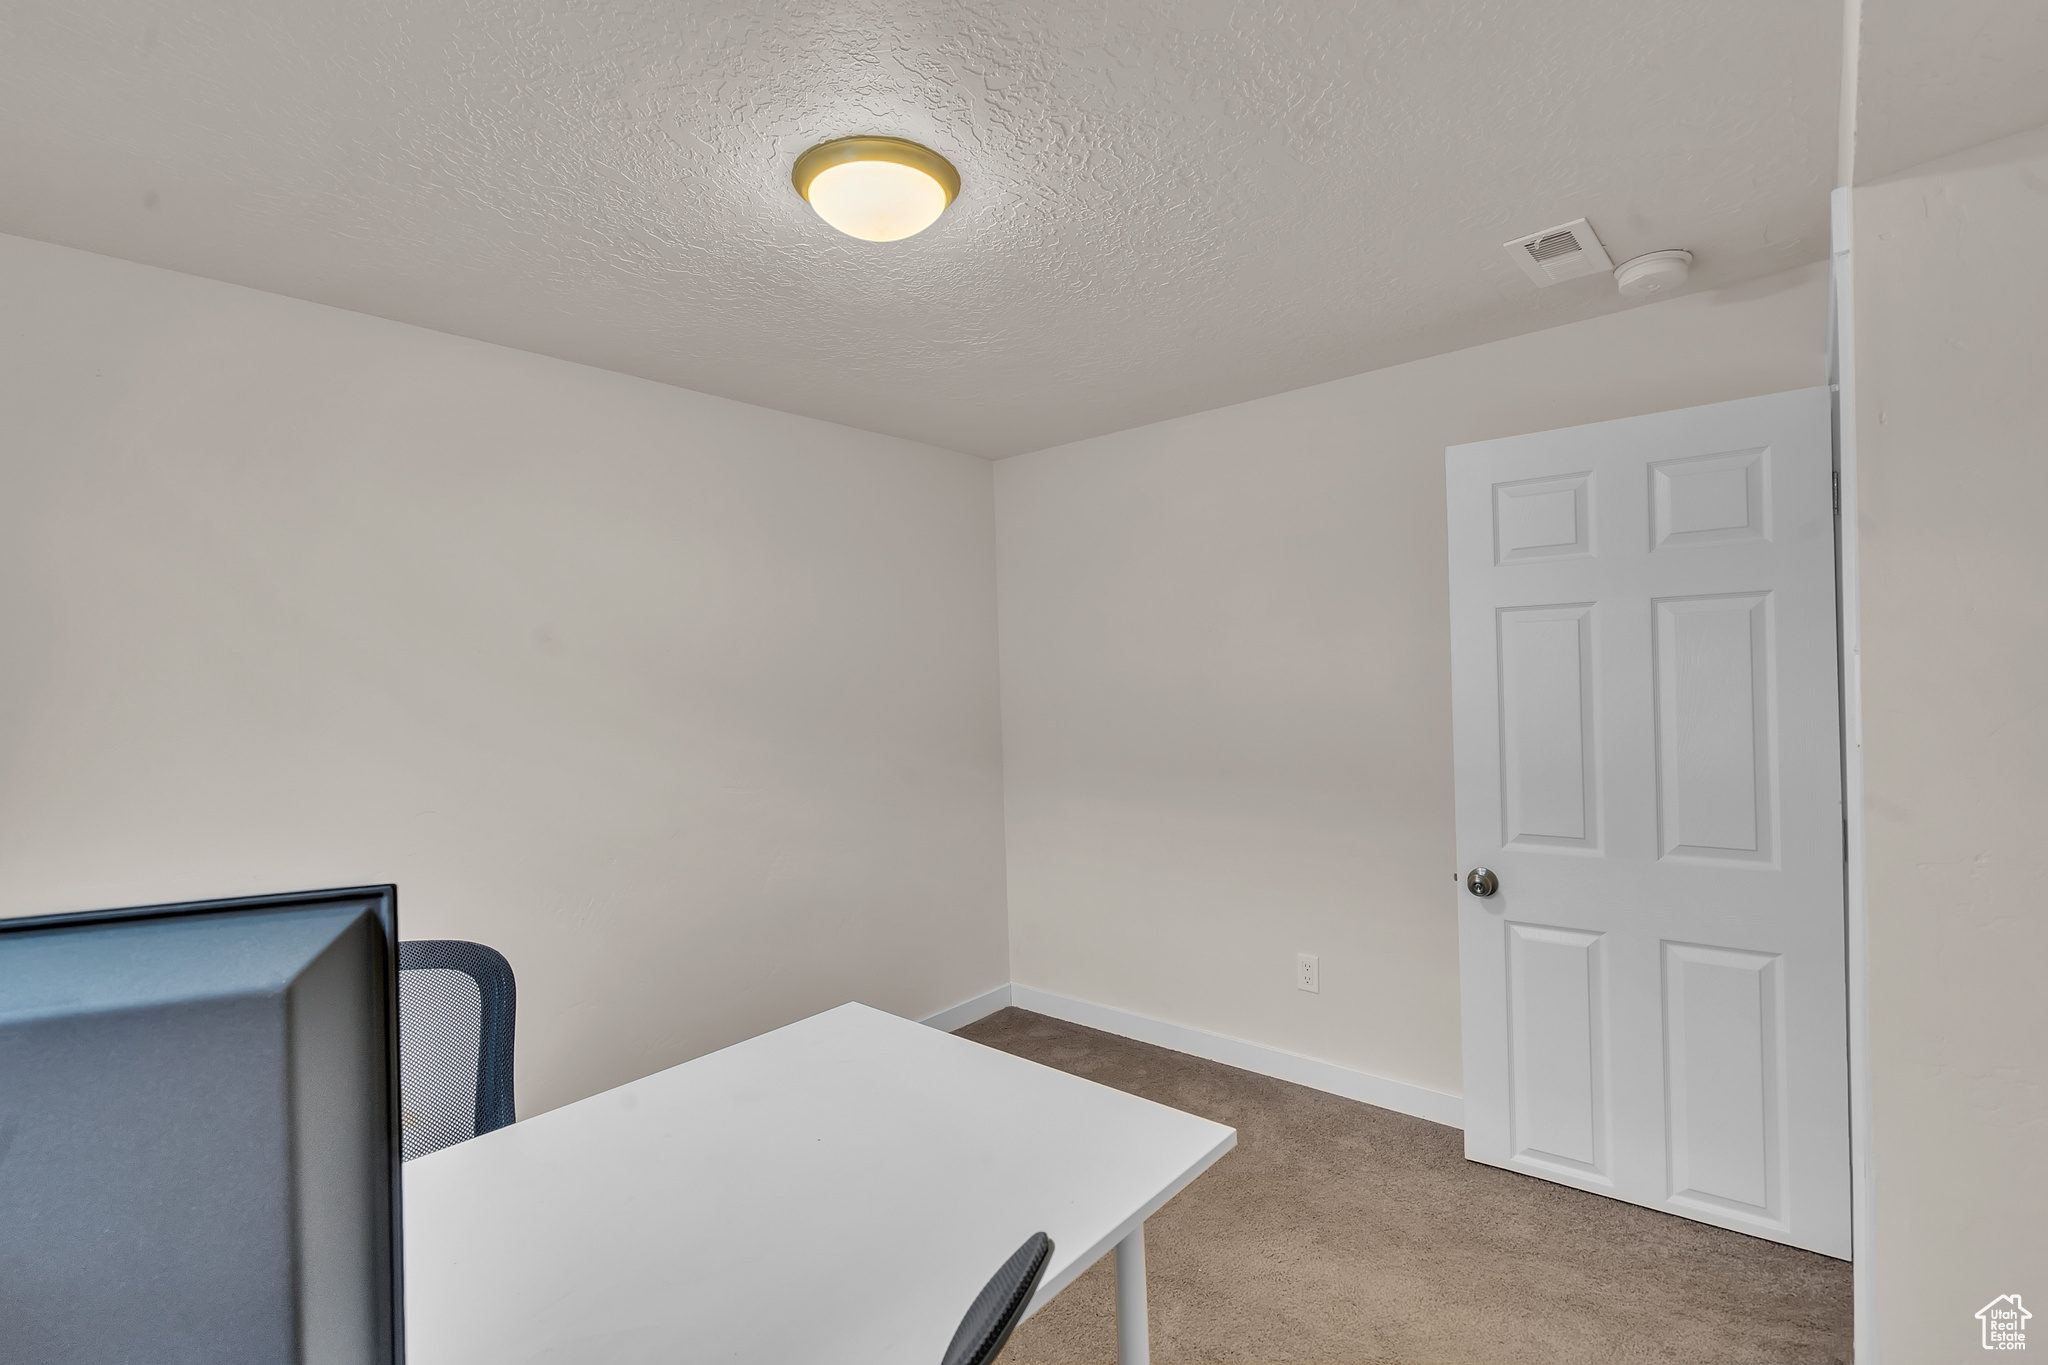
(879, 189)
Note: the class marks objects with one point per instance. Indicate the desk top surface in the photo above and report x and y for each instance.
(837, 1190)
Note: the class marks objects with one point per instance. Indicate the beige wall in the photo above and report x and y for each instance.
(1951, 383)
(687, 706)
(1226, 677)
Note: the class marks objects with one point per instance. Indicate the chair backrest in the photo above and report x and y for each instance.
(999, 1307)
(455, 1018)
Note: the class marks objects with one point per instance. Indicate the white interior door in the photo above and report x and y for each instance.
(1648, 759)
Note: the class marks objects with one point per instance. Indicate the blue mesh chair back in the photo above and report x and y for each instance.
(455, 1015)
(999, 1307)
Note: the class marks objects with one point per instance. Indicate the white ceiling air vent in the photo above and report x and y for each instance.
(1560, 253)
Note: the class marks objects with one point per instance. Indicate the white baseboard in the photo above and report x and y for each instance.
(1266, 1061)
(967, 1011)
(1400, 1096)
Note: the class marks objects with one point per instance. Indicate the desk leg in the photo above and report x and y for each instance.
(1133, 1333)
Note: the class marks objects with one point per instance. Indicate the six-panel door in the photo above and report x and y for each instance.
(1648, 756)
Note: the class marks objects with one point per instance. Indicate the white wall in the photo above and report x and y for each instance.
(1226, 677)
(1952, 471)
(687, 706)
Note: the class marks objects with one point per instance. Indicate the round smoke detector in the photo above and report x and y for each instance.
(1660, 272)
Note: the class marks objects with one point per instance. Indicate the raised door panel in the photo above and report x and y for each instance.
(1710, 499)
(1545, 518)
(1557, 1042)
(1723, 1028)
(1716, 774)
(1549, 784)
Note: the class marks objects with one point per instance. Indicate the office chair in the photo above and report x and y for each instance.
(455, 1008)
(999, 1306)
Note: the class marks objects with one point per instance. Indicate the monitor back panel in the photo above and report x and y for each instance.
(194, 1161)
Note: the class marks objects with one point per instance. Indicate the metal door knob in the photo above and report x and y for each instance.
(1480, 881)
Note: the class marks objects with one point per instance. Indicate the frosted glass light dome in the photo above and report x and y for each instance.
(879, 189)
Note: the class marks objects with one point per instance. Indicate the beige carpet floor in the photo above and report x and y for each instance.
(1338, 1232)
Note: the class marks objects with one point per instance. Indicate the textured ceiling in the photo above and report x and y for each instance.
(1167, 206)
(1936, 78)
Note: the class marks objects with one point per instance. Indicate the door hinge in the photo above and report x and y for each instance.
(1835, 479)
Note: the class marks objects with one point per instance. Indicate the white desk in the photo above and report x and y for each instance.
(835, 1191)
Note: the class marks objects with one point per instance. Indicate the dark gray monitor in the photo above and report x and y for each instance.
(199, 1134)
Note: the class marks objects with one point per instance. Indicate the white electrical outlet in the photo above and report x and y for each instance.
(1307, 973)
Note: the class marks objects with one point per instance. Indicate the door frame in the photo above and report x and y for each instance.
(1842, 379)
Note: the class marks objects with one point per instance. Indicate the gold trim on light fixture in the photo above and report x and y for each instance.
(903, 152)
